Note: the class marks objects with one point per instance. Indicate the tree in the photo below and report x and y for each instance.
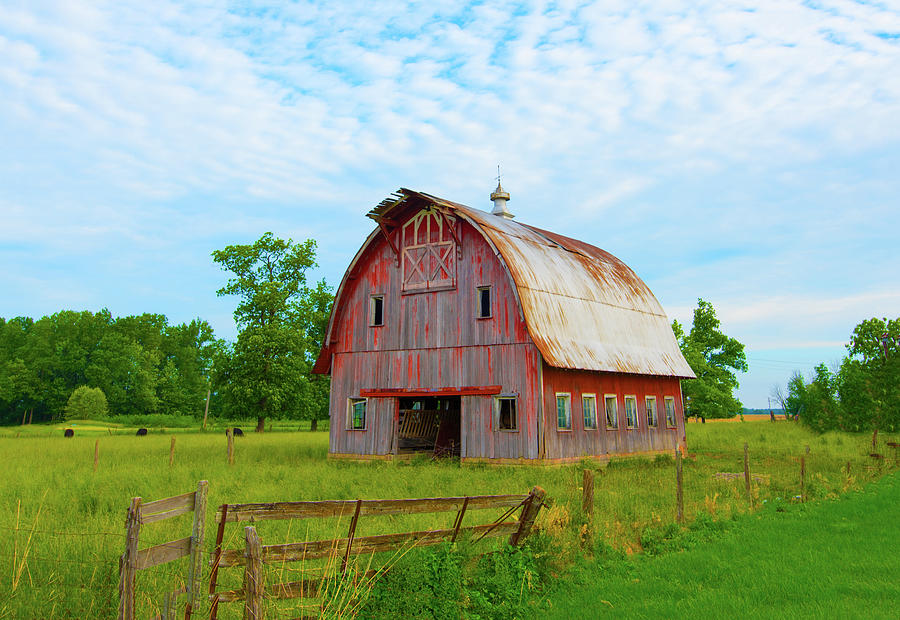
(869, 379)
(86, 403)
(278, 317)
(713, 357)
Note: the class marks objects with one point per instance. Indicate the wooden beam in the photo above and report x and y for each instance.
(169, 503)
(482, 390)
(336, 508)
(161, 554)
(387, 235)
(315, 549)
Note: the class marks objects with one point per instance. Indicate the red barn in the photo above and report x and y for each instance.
(457, 331)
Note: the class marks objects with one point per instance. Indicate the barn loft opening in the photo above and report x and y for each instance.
(430, 425)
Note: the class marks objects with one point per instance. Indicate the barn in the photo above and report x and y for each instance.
(457, 331)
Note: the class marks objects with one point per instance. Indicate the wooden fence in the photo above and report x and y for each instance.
(254, 554)
(135, 559)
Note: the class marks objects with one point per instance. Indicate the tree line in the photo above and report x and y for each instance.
(143, 366)
(861, 393)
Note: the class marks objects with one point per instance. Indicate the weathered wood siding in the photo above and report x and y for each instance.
(432, 340)
(601, 441)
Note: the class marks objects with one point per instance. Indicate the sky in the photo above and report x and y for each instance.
(746, 153)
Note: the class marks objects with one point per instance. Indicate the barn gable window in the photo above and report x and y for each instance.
(651, 410)
(428, 247)
(356, 414)
(670, 411)
(630, 411)
(376, 310)
(612, 414)
(484, 302)
(505, 415)
(589, 410)
(564, 412)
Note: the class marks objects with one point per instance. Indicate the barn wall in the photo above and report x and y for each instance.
(586, 442)
(433, 340)
(508, 366)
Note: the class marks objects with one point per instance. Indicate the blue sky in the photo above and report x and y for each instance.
(746, 153)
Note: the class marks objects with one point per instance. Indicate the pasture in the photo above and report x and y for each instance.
(62, 523)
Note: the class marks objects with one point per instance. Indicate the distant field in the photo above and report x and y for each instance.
(61, 524)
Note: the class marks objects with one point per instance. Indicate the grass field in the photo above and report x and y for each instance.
(833, 559)
(62, 524)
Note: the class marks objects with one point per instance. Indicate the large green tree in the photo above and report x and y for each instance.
(266, 371)
(714, 358)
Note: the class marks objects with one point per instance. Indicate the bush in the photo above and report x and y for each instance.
(86, 403)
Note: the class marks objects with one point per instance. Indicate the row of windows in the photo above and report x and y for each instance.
(611, 410)
(506, 417)
(482, 309)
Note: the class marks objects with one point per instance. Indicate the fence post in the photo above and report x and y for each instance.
(530, 509)
(587, 506)
(747, 474)
(803, 479)
(172, 452)
(679, 487)
(230, 436)
(195, 572)
(253, 575)
(128, 561)
(170, 605)
(350, 534)
(96, 454)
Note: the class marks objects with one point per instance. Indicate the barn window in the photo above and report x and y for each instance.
(630, 411)
(484, 302)
(589, 409)
(670, 411)
(651, 410)
(612, 414)
(564, 412)
(505, 416)
(428, 252)
(376, 310)
(356, 411)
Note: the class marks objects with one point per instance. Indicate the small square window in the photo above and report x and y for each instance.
(651, 410)
(670, 411)
(505, 413)
(564, 412)
(612, 414)
(376, 310)
(589, 410)
(630, 411)
(357, 414)
(484, 302)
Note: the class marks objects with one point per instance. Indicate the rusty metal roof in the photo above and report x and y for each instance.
(584, 308)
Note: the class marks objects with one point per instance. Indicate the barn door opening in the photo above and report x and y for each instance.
(430, 425)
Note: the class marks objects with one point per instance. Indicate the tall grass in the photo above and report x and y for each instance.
(71, 519)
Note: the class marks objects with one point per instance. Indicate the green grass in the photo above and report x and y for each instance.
(834, 559)
(70, 520)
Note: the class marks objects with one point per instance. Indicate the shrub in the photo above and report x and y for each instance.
(86, 403)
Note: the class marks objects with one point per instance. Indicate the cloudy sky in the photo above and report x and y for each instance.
(744, 152)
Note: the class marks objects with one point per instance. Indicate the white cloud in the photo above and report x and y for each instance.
(664, 131)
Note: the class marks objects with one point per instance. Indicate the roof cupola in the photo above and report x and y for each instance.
(500, 198)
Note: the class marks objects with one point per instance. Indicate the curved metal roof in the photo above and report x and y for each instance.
(584, 308)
